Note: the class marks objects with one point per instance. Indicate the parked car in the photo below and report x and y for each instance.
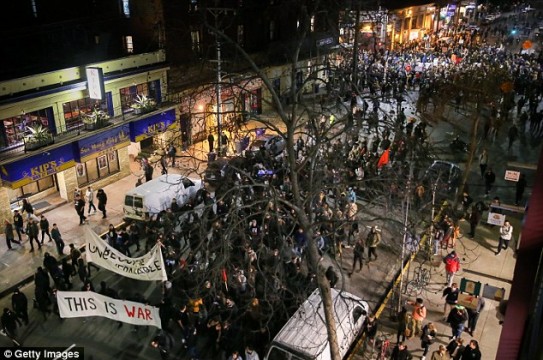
(445, 175)
(275, 144)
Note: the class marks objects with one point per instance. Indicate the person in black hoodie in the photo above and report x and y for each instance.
(19, 303)
(400, 352)
(102, 201)
(79, 205)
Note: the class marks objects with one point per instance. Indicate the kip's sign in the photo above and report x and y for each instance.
(73, 304)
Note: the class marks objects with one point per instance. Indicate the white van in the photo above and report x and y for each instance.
(304, 336)
(154, 196)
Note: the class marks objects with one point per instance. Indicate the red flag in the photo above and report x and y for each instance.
(383, 160)
(224, 278)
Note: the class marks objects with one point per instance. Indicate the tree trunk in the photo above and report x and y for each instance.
(326, 296)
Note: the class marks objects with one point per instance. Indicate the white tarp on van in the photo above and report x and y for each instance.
(305, 335)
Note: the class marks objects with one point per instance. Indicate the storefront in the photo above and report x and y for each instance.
(35, 174)
(98, 156)
(154, 131)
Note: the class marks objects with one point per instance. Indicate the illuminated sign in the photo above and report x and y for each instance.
(34, 168)
(96, 145)
(95, 83)
(152, 125)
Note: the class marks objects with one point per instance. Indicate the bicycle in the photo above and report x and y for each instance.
(421, 279)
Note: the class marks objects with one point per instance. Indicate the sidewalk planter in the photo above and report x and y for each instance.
(39, 137)
(95, 120)
(143, 105)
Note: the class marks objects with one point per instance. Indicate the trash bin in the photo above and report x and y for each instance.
(212, 156)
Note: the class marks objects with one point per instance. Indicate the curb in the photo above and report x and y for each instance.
(390, 289)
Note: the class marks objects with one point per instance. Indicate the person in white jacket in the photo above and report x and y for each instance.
(506, 233)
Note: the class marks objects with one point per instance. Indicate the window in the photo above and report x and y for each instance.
(129, 95)
(99, 168)
(312, 23)
(195, 41)
(126, 8)
(193, 5)
(75, 110)
(128, 44)
(276, 83)
(299, 80)
(240, 35)
(138, 202)
(32, 188)
(272, 30)
(187, 183)
(34, 8)
(357, 313)
(298, 24)
(12, 130)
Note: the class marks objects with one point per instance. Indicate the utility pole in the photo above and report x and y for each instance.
(355, 50)
(216, 12)
(408, 193)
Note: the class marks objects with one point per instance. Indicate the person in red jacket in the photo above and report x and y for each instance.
(452, 265)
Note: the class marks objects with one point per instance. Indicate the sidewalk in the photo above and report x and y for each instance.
(478, 264)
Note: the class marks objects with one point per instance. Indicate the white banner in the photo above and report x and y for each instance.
(148, 267)
(73, 304)
(496, 219)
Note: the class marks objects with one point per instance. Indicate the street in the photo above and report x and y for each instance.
(106, 339)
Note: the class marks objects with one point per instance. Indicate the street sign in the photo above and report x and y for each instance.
(512, 175)
(496, 219)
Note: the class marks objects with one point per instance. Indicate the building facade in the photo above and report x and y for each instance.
(76, 154)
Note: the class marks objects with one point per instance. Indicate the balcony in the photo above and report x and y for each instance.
(77, 131)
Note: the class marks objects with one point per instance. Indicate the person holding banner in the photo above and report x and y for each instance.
(506, 233)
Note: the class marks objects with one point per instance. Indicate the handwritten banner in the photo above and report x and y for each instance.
(496, 219)
(149, 267)
(74, 304)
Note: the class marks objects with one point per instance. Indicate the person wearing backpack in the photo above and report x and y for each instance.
(452, 265)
